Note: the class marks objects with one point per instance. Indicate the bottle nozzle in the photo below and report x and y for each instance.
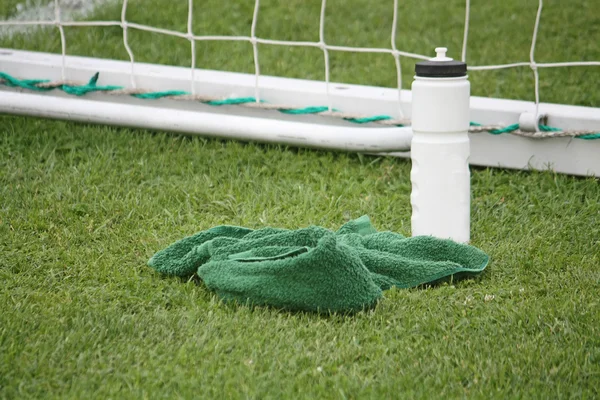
(440, 54)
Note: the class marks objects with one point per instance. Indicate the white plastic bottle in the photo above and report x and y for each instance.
(441, 189)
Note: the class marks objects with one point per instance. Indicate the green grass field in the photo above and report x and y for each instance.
(82, 208)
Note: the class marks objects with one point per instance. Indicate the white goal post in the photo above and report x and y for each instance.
(319, 114)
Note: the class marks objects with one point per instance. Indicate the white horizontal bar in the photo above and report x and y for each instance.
(564, 155)
(210, 124)
(536, 65)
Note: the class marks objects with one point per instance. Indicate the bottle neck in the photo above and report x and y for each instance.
(452, 79)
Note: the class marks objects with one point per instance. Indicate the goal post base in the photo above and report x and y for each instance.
(562, 154)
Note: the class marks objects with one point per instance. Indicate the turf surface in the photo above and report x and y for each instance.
(82, 208)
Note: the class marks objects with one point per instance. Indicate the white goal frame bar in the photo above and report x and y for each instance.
(564, 155)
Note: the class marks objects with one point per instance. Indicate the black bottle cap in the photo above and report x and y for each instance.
(441, 66)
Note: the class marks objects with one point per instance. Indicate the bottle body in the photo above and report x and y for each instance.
(440, 149)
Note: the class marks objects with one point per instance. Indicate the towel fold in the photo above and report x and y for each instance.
(315, 269)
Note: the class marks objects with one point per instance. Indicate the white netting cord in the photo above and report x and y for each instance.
(124, 25)
(396, 55)
(323, 47)
(463, 53)
(190, 35)
(532, 64)
(254, 42)
(63, 41)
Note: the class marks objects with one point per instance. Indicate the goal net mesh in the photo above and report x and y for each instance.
(374, 43)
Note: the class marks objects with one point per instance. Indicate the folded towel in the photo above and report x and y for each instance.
(315, 269)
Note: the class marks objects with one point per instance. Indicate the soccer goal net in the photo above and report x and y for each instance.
(270, 71)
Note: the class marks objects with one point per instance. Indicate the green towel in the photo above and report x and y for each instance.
(315, 269)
